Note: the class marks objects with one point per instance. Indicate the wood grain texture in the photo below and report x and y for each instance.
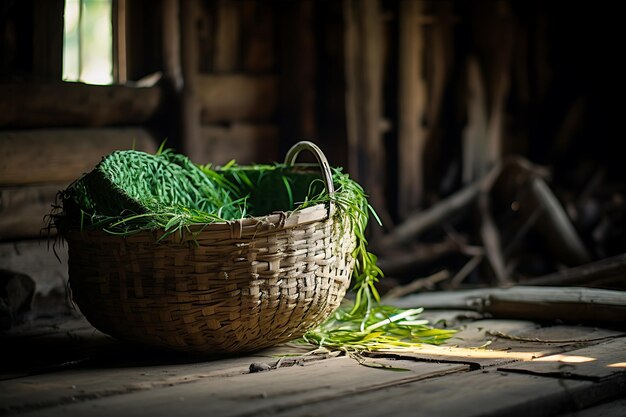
(74, 104)
(101, 377)
(62, 155)
(594, 363)
(471, 394)
(227, 36)
(412, 100)
(364, 60)
(244, 142)
(319, 383)
(230, 98)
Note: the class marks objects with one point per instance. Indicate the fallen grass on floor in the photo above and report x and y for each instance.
(382, 328)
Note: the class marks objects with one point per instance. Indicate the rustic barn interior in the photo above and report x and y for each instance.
(485, 134)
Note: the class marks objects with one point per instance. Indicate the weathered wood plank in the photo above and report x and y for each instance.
(488, 343)
(258, 393)
(610, 409)
(230, 98)
(74, 104)
(596, 362)
(472, 394)
(62, 155)
(566, 304)
(23, 210)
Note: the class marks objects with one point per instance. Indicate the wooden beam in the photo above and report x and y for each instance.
(567, 304)
(74, 104)
(60, 155)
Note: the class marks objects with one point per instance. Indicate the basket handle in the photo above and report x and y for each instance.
(305, 145)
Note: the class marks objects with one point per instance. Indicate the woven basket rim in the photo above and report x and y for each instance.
(240, 228)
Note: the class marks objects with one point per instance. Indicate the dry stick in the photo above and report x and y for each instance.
(396, 264)
(556, 225)
(613, 268)
(423, 220)
(463, 247)
(523, 231)
(488, 230)
(417, 285)
(460, 276)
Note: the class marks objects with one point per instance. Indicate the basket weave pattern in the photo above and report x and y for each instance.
(224, 287)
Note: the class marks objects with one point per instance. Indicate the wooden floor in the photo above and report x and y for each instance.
(64, 367)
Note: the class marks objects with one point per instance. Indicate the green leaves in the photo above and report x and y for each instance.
(384, 328)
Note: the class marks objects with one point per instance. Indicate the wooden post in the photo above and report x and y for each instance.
(297, 73)
(227, 42)
(191, 144)
(364, 79)
(475, 133)
(489, 82)
(411, 107)
(353, 92)
(171, 42)
(118, 17)
(48, 39)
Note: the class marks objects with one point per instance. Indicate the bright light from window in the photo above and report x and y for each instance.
(617, 365)
(565, 359)
(88, 42)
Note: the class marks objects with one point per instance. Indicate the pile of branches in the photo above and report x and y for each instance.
(511, 227)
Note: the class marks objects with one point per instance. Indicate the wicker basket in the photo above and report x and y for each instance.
(223, 287)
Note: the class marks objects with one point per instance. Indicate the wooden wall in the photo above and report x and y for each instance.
(52, 132)
(439, 91)
(415, 98)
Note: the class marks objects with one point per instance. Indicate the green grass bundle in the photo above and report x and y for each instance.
(129, 191)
